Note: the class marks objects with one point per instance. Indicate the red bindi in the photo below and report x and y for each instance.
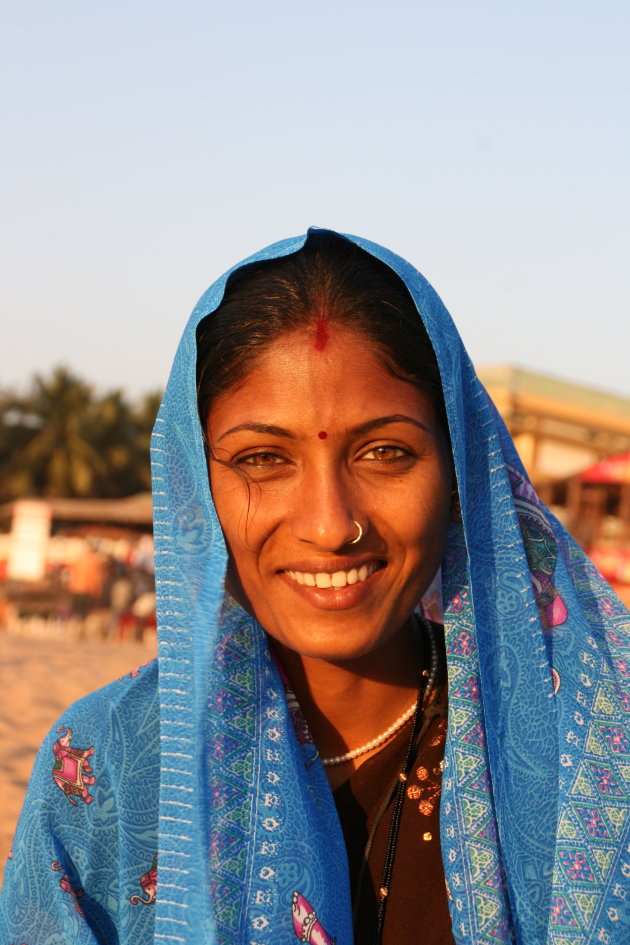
(322, 434)
(321, 332)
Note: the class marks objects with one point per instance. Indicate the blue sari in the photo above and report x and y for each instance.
(178, 806)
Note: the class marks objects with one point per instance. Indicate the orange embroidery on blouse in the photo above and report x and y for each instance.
(429, 783)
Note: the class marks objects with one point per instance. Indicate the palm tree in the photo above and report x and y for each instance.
(144, 415)
(60, 440)
(55, 457)
(111, 428)
(13, 437)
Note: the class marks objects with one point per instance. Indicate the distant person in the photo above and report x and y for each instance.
(86, 581)
(311, 759)
(143, 610)
(120, 603)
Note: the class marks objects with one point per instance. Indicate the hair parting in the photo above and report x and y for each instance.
(328, 282)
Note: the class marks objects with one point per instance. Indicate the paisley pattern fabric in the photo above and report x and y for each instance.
(536, 793)
(82, 857)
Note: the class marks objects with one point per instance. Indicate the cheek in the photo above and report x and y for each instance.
(430, 527)
(232, 506)
(246, 515)
(231, 502)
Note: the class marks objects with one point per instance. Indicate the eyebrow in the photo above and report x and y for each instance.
(253, 427)
(385, 421)
(362, 428)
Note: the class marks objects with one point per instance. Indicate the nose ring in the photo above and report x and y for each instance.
(355, 541)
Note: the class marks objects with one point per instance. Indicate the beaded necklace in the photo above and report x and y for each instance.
(427, 683)
(374, 742)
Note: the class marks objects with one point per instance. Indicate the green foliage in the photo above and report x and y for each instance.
(61, 439)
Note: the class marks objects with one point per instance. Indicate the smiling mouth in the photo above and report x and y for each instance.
(337, 579)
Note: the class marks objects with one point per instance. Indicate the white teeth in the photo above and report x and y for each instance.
(322, 579)
(339, 579)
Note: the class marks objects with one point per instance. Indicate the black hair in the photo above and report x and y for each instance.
(329, 278)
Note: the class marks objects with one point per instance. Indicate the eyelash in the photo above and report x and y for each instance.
(250, 460)
(387, 448)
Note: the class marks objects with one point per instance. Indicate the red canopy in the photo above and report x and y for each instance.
(613, 469)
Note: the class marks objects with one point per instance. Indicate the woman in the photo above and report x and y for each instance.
(309, 402)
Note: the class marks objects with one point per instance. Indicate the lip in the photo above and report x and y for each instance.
(335, 598)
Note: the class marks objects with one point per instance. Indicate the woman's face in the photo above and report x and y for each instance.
(311, 442)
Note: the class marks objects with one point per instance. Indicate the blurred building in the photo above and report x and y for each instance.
(61, 560)
(559, 428)
(48, 531)
(574, 441)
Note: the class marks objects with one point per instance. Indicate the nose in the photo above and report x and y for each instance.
(326, 513)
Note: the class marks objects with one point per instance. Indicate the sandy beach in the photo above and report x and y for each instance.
(39, 678)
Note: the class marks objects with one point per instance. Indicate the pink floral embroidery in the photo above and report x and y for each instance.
(71, 771)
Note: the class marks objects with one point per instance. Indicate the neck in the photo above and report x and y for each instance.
(346, 704)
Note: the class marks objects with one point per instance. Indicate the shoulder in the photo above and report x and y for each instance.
(102, 752)
(96, 746)
(120, 709)
(89, 823)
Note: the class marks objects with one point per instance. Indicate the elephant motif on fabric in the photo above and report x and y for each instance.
(306, 925)
(72, 771)
(66, 885)
(148, 881)
(541, 549)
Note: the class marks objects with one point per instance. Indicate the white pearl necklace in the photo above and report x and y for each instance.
(374, 742)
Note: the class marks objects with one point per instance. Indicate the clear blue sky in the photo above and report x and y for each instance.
(148, 145)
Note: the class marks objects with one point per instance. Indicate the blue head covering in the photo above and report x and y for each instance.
(535, 831)
(534, 823)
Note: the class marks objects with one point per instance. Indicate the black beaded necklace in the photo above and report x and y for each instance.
(427, 682)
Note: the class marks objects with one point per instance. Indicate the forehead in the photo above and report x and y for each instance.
(297, 383)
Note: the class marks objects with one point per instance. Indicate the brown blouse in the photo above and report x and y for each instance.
(417, 906)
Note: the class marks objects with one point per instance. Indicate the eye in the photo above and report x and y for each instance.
(386, 453)
(260, 460)
(263, 465)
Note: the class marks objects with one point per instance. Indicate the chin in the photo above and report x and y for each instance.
(336, 644)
